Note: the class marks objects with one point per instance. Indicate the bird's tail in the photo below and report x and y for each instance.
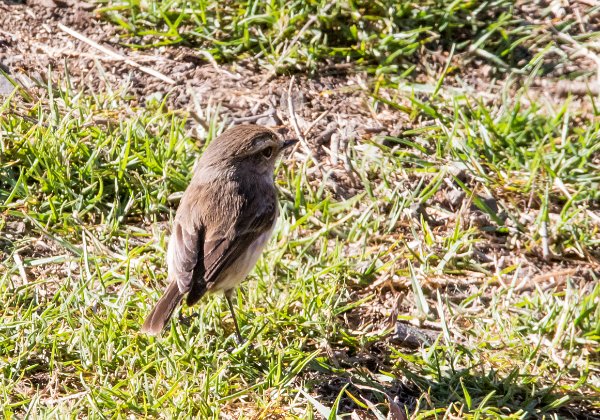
(163, 310)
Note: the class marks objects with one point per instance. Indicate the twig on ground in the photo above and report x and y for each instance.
(197, 113)
(334, 148)
(557, 277)
(294, 122)
(314, 123)
(580, 49)
(20, 267)
(53, 52)
(9, 34)
(116, 55)
(325, 136)
(567, 87)
(545, 242)
(208, 56)
(254, 118)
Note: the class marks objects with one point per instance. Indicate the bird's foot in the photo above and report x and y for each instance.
(187, 320)
(239, 339)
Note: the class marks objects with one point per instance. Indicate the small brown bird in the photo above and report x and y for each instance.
(224, 220)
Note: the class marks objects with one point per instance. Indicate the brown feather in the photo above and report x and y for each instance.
(160, 315)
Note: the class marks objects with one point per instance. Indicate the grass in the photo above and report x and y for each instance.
(380, 37)
(453, 214)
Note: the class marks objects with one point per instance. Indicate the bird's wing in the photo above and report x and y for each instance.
(199, 252)
(185, 252)
(222, 248)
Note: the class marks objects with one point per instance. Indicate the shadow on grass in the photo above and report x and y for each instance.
(458, 392)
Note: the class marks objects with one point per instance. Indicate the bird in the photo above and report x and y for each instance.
(225, 218)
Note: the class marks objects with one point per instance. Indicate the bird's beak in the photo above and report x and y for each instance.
(288, 143)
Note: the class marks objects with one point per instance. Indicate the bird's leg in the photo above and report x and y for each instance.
(228, 294)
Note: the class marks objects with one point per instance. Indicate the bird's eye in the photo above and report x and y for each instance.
(268, 152)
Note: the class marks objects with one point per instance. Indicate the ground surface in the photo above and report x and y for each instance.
(438, 253)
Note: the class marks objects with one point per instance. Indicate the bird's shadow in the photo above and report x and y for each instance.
(485, 391)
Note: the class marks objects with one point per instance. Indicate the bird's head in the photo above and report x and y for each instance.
(248, 148)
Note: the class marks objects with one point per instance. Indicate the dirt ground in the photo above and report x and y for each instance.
(35, 44)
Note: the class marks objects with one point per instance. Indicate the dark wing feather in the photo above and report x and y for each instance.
(185, 254)
(222, 251)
